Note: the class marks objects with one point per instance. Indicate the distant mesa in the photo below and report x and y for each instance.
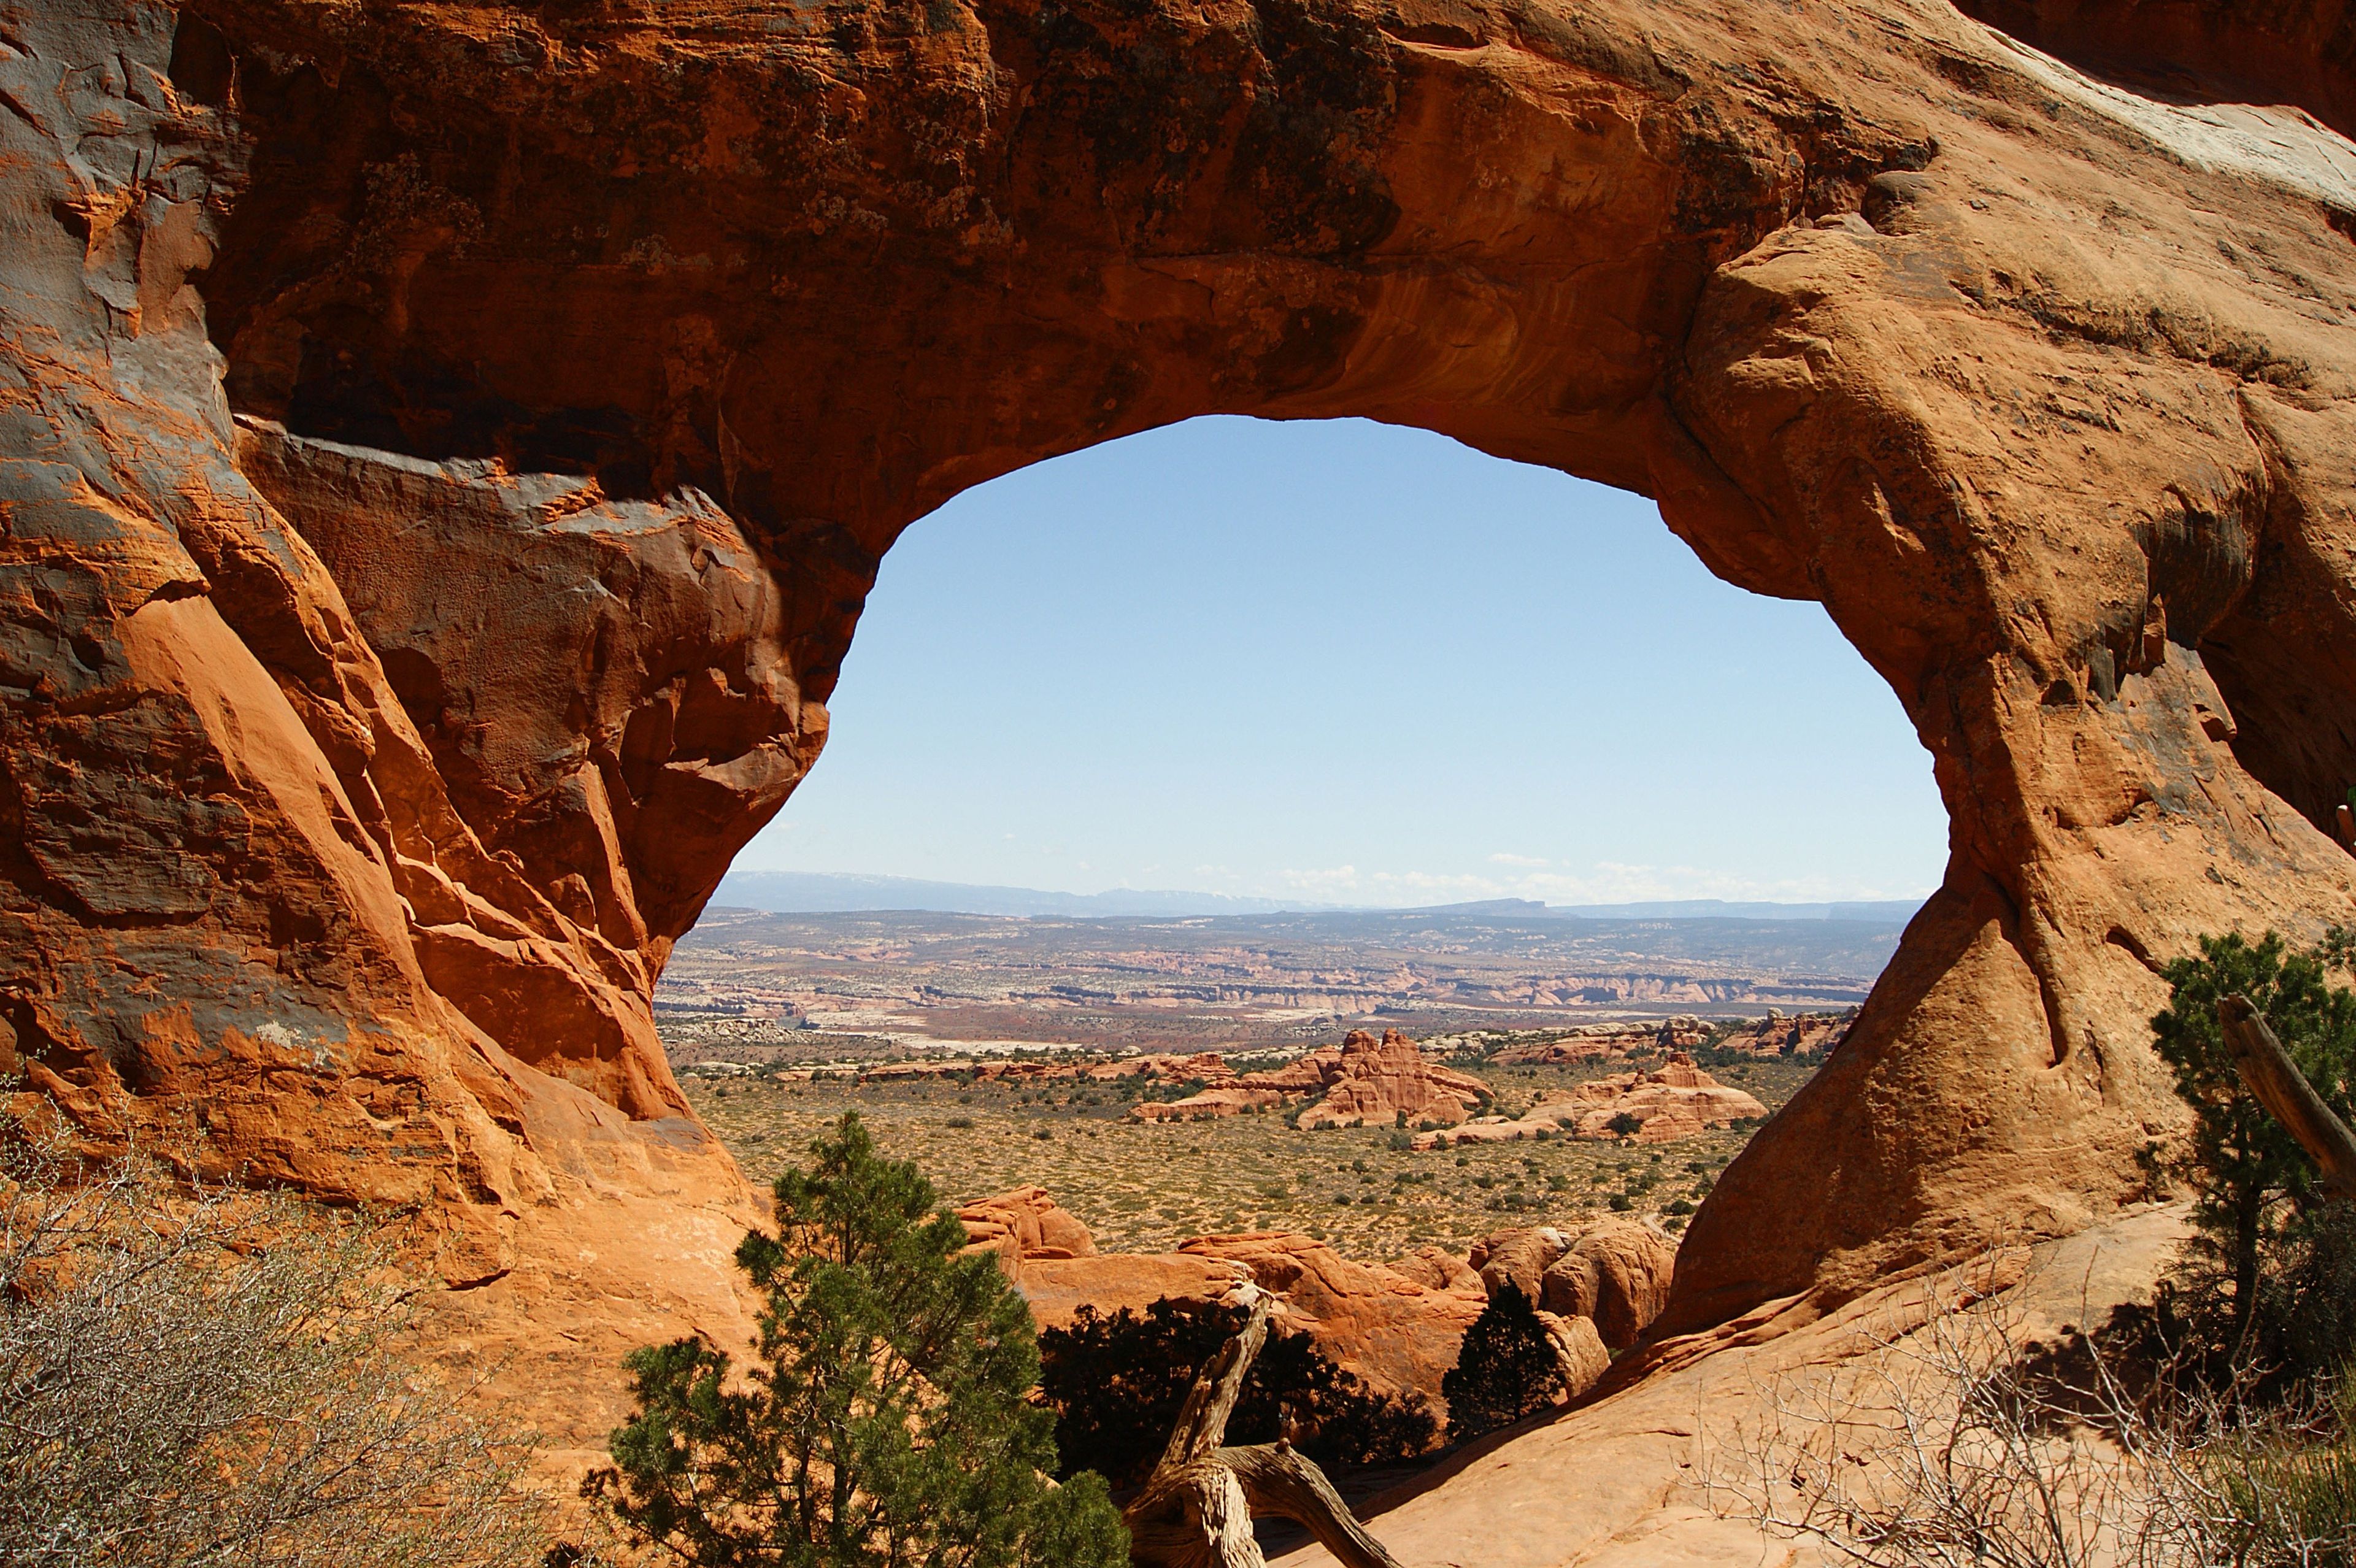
(828, 892)
(833, 892)
(1363, 1082)
(1674, 1101)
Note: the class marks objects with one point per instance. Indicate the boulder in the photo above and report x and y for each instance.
(1519, 1256)
(1579, 1347)
(1025, 1224)
(1618, 1274)
(1396, 1332)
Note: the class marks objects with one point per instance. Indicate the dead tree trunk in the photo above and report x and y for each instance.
(1197, 1507)
(2270, 1074)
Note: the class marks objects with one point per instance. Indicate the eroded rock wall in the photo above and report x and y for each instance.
(448, 448)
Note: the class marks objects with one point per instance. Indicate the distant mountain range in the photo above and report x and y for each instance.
(829, 892)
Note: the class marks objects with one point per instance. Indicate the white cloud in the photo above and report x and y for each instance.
(1501, 858)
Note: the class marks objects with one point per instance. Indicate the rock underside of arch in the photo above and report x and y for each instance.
(443, 450)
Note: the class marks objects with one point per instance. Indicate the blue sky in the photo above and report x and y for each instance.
(1343, 662)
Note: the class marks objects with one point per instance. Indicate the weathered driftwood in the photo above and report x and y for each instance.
(1196, 1508)
(2270, 1074)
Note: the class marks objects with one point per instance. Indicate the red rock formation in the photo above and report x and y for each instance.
(1518, 1257)
(1057, 1288)
(1613, 1278)
(372, 843)
(1311, 1074)
(1596, 1042)
(1377, 1083)
(1677, 1100)
(1436, 1269)
(1579, 1349)
(1024, 1225)
(1809, 1034)
(1360, 1081)
(1396, 1326)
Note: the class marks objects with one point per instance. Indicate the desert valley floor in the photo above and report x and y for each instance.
(778, 1023)
(1147, 1187)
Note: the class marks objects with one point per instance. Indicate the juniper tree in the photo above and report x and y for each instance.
(883, 1419)
(2240, 1160)
(1116, 1383)
(1506, 1367)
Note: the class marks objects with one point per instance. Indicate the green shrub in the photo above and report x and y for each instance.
(1116, 1381)
(884, 1419)
(1506, 1369)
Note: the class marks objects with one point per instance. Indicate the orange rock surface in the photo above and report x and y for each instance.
(1057, 1288)
(1392, 1329)
(1397, 1327)
(444, 451)
(1518, 1257)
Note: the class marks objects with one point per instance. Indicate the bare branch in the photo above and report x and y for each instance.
(1196, 1509)
(2274, 1079)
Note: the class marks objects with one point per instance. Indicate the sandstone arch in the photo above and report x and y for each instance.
(446, 448)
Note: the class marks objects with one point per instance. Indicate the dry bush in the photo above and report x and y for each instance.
(194, 1375)
(1945, 1445)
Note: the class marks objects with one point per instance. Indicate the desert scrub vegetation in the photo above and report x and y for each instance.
(1945, 1445)
(2215, 1426)
(882, 1420)
(1149, 1188)
(197, 1375)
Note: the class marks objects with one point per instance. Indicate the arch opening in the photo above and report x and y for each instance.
(1347, 664)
